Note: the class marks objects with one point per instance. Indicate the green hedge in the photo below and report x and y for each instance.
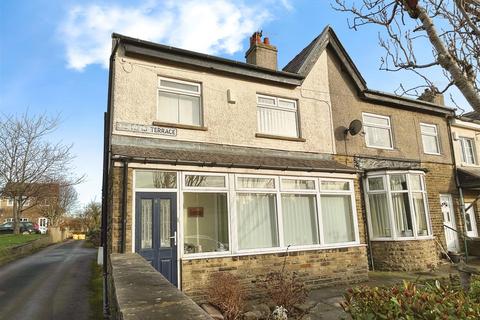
(413, 301)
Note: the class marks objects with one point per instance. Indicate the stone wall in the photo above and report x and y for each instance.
(409, 255)
(318, 268)
(150, 297)
(440, 179)
(115, 210)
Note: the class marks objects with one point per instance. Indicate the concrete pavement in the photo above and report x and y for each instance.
(50, 284)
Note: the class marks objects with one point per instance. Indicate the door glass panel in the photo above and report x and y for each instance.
(165, 223)
(146, 234)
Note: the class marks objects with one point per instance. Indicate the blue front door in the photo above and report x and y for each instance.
(156, 231)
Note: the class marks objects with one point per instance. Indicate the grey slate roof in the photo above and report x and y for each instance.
(472, 115)
(230, 160)
(469, 177)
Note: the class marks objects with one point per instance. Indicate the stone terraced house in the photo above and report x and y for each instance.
(219, 165)
(466, 143)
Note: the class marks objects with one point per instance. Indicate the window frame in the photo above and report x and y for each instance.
(474, 150)
(276, 106)
(437, 138)
(389, 128)
(204, 189)
(231, 191)
(138, 189)
(199, 94)
(386, 174)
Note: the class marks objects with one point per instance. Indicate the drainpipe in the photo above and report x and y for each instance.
(365, 221)
(460, 191)
(105, 183)
(124, 205)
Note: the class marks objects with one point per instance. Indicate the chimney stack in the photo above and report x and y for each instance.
(262, 54)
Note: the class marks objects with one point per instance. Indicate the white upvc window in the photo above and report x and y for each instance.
(179, 102)
(206, 218)
(8, 220)
(10, 202)
(23, 219)
(468, 150)
(277, 116)
(430, 142)
(397, 205)
(276, 212)
(378, 131)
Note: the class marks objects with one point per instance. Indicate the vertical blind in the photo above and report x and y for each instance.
(257, 221)
(277, 116)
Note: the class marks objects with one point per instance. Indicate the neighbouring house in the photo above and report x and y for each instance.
(466, 143)
(218, 165)
(404, 153)
(35, 204)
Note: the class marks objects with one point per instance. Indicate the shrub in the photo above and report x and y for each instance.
(284, 288)
(429, 301)
(226, 293)
(475, 289)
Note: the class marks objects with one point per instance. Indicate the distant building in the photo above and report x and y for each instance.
(33, 205)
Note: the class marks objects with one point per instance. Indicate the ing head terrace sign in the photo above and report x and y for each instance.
(140, 128)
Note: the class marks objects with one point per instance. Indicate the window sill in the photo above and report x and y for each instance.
(179, 126)
(229, 254)
(269, 136)
(380, 148)
(432, 154)
(419, 238)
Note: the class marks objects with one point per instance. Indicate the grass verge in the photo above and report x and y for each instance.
(11, 240)
(96, 291)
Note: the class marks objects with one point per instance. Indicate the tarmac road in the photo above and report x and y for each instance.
(50, 284)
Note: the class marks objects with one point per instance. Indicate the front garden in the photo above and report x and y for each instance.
(284, 296)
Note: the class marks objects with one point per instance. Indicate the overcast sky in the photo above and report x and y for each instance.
(53, 54)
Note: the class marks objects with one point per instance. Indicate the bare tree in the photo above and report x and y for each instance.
(55, 206)
(450, 27)
(91, 216)
(29, 162)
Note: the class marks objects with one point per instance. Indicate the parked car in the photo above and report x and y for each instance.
(25, 228)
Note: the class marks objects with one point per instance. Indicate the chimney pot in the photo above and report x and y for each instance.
(262, 54)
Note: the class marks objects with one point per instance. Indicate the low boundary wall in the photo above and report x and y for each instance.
(138, 291)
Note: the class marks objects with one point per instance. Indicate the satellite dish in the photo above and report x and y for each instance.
(354, 128)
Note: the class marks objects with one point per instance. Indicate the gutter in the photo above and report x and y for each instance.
(231, 165)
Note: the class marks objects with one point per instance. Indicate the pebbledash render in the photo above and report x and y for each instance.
(218, 165)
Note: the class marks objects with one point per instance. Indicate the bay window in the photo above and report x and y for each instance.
(397, 205)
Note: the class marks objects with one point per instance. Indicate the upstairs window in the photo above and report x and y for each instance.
(378, 131)
(277, 116)
(429, 138)
(468, 150)
(179, 102)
